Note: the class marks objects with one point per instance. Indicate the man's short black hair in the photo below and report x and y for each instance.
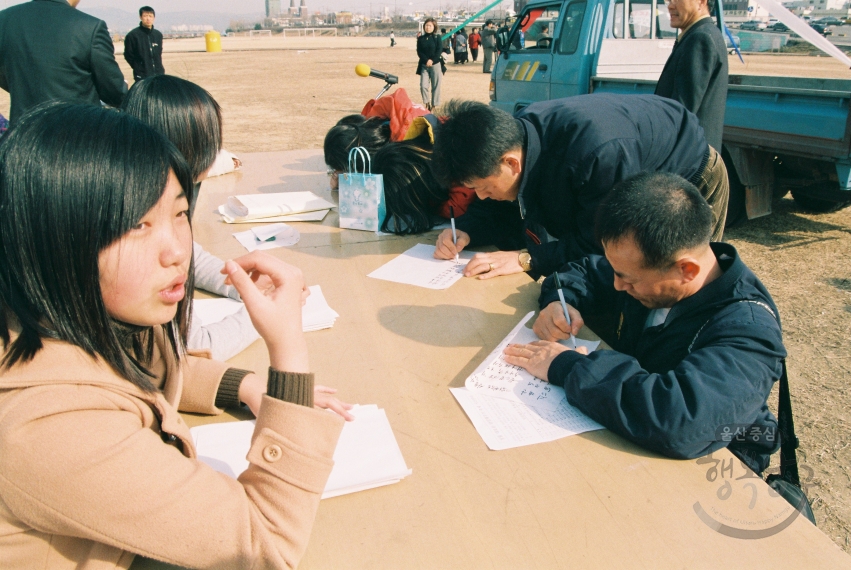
(144, 9)
(470, 143)
(488, 22)
(664, 213)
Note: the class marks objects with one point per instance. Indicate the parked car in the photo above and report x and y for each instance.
(780, 27)
(820, 29)
(753, 25)
(829, 21)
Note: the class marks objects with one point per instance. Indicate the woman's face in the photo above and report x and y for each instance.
(429, 27)
(142, 275)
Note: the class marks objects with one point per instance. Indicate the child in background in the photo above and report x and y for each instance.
(95, 283)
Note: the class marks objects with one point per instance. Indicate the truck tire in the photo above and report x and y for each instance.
(806, 201)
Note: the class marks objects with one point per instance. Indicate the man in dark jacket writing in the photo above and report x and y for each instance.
(143, 47)
(541, 173)
(696, 338)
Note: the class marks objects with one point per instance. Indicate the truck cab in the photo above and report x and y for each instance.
(780, 133)
(567, 42)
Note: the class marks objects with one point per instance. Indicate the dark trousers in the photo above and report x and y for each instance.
(475, 52)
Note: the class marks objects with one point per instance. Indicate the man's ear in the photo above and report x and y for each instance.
(689, 269)
(514, 159)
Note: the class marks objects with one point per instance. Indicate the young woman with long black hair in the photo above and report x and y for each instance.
(95, 278)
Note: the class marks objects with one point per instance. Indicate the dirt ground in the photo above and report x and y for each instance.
(281, 94)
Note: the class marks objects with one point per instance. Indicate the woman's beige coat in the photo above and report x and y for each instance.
(87, 480)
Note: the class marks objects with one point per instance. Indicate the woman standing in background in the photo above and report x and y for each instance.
(430, 66)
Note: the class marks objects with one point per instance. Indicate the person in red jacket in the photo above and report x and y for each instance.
(475, 40)
(399, 136)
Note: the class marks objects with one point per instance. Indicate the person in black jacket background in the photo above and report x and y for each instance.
(143, 47)
(696, 337)
(696, 73)
(541, 174)
(51, 52)
(430, 65)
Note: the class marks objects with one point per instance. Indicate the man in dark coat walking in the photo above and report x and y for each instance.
(51, 52)
(696, 72)
(143, 47)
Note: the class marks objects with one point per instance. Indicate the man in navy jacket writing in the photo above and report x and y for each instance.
(541, 173)
(696, 337)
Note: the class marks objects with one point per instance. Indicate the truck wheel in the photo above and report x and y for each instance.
(817, 205)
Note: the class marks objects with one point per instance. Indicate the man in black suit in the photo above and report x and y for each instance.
(143, 47)
(696, 72)
(50, 51)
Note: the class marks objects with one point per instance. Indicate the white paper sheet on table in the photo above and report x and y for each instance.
(510, 408)
(417, 266)
(268, 237)
(367, 454)
(315, 314)
(504, 424)
(315, 216)
(495, 377)
(258, 206)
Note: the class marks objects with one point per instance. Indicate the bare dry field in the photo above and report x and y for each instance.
(282, 94)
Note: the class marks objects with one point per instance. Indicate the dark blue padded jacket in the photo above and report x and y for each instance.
(576, 149)
(673, 388)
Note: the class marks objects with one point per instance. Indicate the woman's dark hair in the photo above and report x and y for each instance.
(185, 113)
(663, 212)
(352, 131)
(434, 23)
(73, 180)
(410, 189)
(472, 140)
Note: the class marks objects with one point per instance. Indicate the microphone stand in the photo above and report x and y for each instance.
(387, 86)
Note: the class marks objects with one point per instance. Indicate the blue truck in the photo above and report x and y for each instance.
(781, 134)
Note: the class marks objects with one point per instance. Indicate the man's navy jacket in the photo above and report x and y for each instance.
(674, 387)
(576, 150)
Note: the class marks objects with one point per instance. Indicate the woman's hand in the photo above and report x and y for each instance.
(275, 313)
(323, 398)
(429, 63)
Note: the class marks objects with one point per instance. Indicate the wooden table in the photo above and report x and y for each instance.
(587, 501)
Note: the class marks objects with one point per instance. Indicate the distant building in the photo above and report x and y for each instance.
(273, 8)
(302, 11)
(343, 18)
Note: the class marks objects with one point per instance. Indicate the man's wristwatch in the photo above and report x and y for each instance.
(525, 260)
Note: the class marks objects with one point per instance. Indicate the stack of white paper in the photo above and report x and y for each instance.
(367, 455)
(315, 314)
(279, 207)
(509, 407)
(417, 266)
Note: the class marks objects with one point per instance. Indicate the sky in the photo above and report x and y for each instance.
(259, 6)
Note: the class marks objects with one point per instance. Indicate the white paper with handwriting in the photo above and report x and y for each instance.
(496, 377)
(417, 266)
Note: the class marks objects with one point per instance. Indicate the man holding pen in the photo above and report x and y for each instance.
(696, 338)
(540, 174)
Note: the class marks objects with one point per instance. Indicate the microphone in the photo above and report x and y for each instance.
(364, 70)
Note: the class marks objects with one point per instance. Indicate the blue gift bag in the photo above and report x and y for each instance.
(362, 205)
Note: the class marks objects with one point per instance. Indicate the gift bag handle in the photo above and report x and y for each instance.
(361, 152)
